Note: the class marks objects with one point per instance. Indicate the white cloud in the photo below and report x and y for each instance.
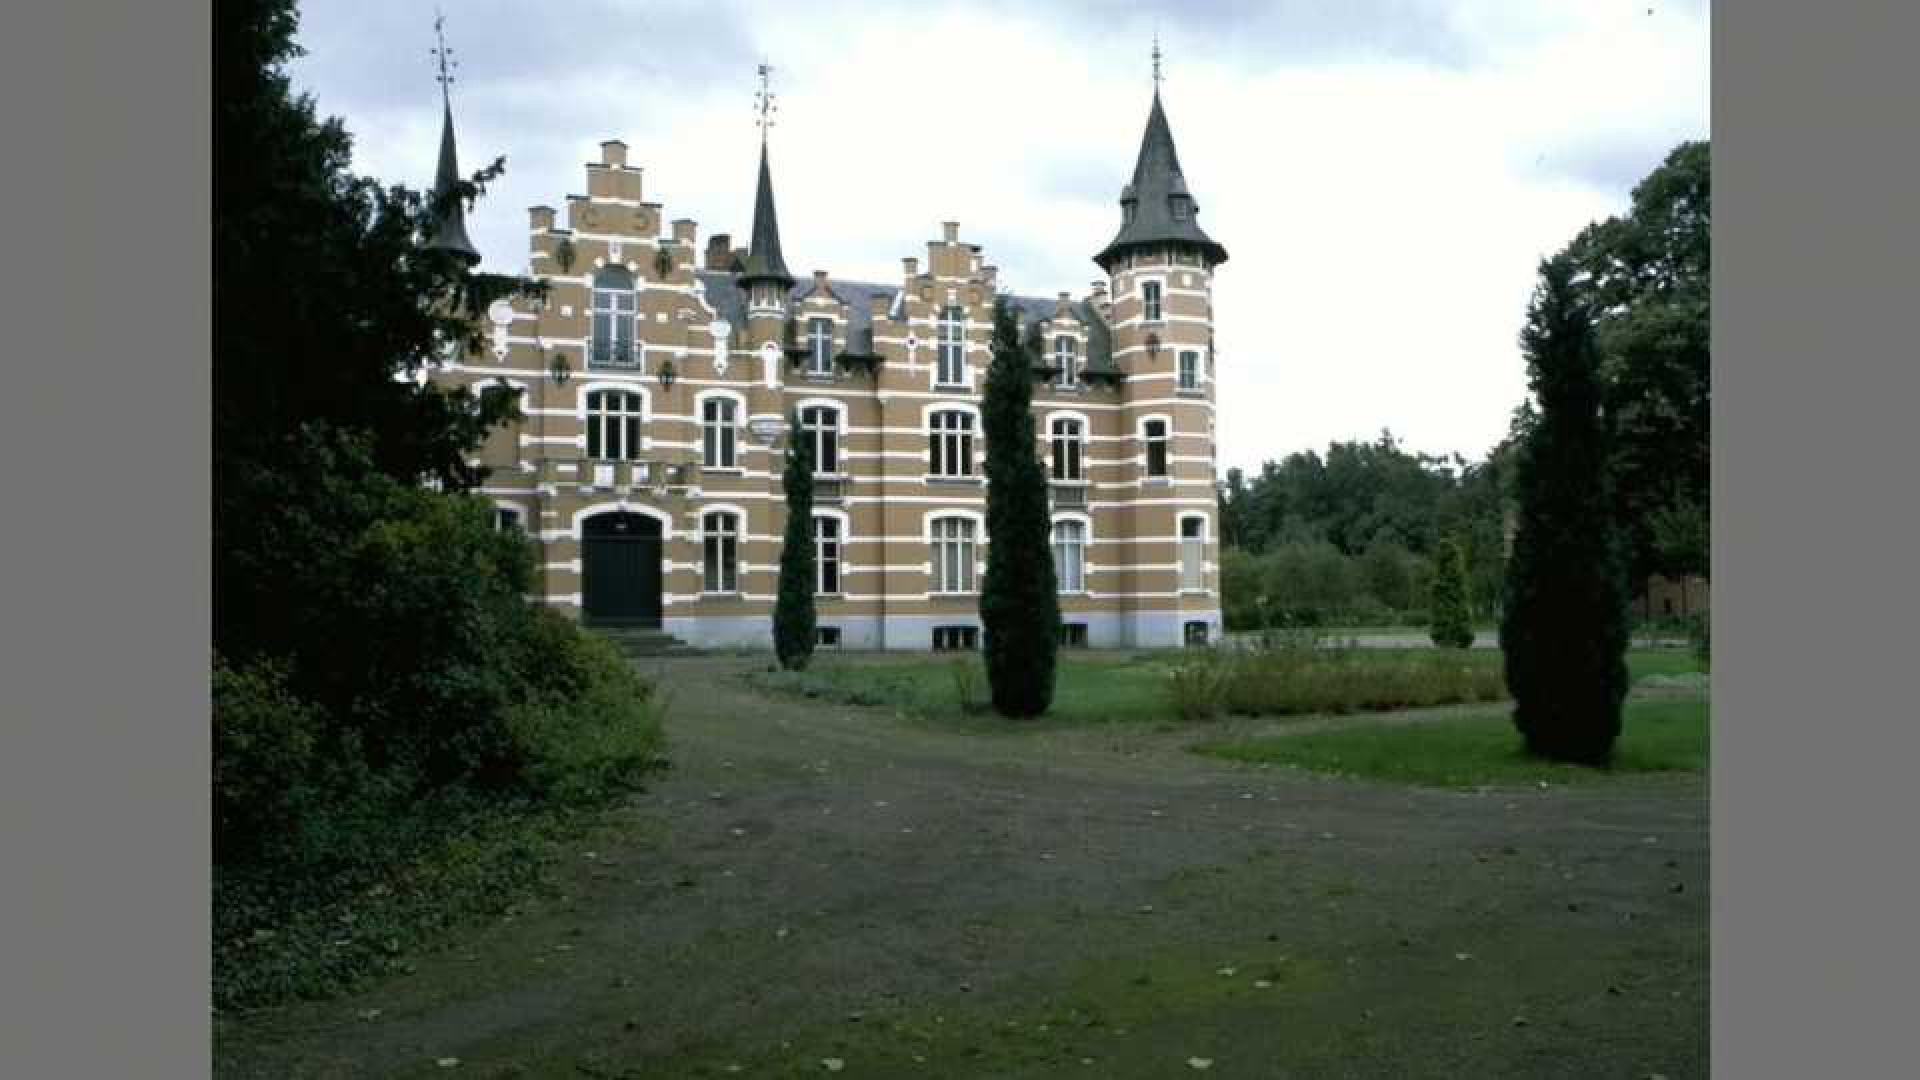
(1385, 202)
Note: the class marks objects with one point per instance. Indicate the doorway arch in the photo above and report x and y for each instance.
(620, 569)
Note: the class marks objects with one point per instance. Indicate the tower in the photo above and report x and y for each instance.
(449, 230)
(764, 275)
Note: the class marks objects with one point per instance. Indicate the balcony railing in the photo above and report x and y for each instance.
(613, 354)
(639, 477)
(1069, 495)
(829, 489)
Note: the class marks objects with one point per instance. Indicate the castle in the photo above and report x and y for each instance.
(656, 378)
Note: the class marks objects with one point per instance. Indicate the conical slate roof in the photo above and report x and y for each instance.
(449, 231)
(1158, 208)
(764, 261)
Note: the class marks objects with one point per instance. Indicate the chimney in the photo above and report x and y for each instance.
(912, 266)
(1066, 299)
(613, 154)
(719, 254)
(820, 281)
(683, 231)
(539, 218)
(952, 230)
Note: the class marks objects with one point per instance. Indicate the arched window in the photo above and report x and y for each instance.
(826, 554)
(1150, 296)
(952, 347)
(1068, 437)
(1155, 434)
(953, 539)
(721, 533)
(613, 425)
(950, 439)
(719, 419)
(820, 426)
(614, 304)
(1070, 555)
(1066, 357)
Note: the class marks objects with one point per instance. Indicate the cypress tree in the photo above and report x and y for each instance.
(1452, 618)
(1019, 601)
(1564, 627)
(793, 611)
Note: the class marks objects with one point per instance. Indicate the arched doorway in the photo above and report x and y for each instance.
(620, 565)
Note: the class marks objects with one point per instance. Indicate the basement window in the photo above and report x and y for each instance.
(956, 638)
(826, 637)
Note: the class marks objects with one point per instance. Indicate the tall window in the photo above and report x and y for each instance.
(1070, 555)
(1189, 371)
(1193, 538)
(820, 426)
(819, 346)
(717, 421)
(952, 347)
(1068, 440)
(951, 444)
(613, 310)
(1150, 294)
(952, 555)
(826, 554)
(722, 533)
(613, 425)
(1156, 435)
(1066, 357)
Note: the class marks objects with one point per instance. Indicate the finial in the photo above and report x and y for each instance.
(1156, 61)
(763, 100)
(443, 54)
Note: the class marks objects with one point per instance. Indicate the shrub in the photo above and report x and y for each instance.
(1452, 626)
(1289, 681)
(794, 615)
(1197, 683)
(966, 674)
(1700, 638)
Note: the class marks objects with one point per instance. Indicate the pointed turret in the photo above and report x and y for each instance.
(764, 261)
(449, 230)
(1157, 211)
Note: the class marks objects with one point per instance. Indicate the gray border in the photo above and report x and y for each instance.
(1814, 246)
(105, 927)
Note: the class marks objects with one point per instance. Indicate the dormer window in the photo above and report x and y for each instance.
(1066, 357)
(819, 346)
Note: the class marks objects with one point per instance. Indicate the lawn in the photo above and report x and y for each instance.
(1114, 686)
(1479, 750)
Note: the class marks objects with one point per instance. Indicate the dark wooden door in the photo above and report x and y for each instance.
(620, 562)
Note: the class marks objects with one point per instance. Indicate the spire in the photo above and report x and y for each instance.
(1157, 210)
(449, 230)
(764, 261)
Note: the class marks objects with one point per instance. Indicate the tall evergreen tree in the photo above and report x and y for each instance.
(794, 616)
(1564, 627)
(1020, 601)
(1452, 616)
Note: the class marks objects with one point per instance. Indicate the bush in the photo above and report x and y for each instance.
(966, 672)
(1196, 686)
(1452, 626)
(1699, 638)
(1290, 681)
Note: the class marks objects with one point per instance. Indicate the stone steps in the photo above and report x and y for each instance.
(640, 641)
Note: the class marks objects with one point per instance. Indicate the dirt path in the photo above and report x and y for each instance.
(816, 883)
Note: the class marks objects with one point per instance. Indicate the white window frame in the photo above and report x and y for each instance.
(604, 422)
(608, 302)
(819, 345)
(947, 442)
(1064, 449)
(820, 556)
(839, 429)
(1081, 546)
(1193, 554)
(1182, 371)
(1066, 357)
(1153, 300)
(729, 457)
(720, 550)
(950, 343)
(953, 572)
(1147, 442)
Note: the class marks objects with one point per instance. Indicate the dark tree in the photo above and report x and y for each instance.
(1019, 601)
(793, 610)
(1564, 627)
(1452, 617)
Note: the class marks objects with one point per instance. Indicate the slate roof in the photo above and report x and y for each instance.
(764, 261)
(1158, 209)
(449, 232)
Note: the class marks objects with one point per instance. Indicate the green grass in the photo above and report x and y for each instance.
(1480, 750)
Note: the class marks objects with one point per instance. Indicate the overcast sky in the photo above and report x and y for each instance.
(1385, 174)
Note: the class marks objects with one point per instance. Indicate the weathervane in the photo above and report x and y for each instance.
(442, 54)
(763, 101)
(1156, 61)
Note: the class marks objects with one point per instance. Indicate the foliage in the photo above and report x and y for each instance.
(1019, 600)
(1452, 626)
(1291, 681)
(1564, 630)
(1196, 685)
(964, 671)
(1313, 584)
(1700, 640)
(794, 616)
(1477, 750)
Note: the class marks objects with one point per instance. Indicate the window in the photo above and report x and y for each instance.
(1156, 436)
(613, 311)
(819, 346)
(717, 420)
(950, 449)
(722, 531)
(1193, 539)
(952, 555)
(1066, 357)
(827, 637)
(506, 519)
(1189, 371)
(826, 555)
(1070, 556)
(1196, 633)
(1069, 446)
(1150, 295)
(1074, 634)
(955, 638)
(820, 426)
(613, 425)
(952, 348)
